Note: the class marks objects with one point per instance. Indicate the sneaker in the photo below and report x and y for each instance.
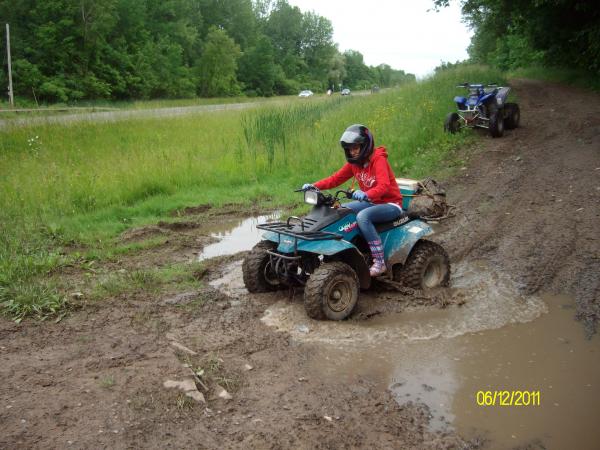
(377, 269)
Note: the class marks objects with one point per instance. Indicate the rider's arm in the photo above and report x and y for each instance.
(342, 175)
(380, 167)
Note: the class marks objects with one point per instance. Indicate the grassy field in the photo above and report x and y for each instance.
(84, 183)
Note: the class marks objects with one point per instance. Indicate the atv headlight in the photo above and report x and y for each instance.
(499, 101)
(311, 197)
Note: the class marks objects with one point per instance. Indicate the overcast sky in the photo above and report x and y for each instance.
(400, 33)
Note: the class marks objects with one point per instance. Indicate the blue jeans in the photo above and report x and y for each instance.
(368, 213)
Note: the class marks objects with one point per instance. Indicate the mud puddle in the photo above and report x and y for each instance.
(235, 235)
(499, 340)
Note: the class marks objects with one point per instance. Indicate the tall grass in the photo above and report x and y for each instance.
(86, 182)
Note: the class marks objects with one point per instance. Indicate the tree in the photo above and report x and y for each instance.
(218, 65)
(258, 70)
(516, 33)
(357, 71)
(337, 70)
(317, 45)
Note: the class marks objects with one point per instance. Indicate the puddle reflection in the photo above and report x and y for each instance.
(235, 236)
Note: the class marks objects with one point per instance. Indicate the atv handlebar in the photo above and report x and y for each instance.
(347, 194)
(326, 199)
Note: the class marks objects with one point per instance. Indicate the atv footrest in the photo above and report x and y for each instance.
(288, 230)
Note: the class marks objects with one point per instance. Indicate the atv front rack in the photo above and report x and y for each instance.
(287, 229)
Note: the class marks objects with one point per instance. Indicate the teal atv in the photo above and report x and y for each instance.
(326, 253)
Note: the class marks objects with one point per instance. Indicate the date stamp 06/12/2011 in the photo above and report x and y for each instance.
(508, 398)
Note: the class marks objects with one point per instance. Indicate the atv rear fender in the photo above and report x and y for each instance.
(501, 95)
(399, 242)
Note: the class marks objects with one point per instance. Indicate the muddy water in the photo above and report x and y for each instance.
(235, 236)
(498, 341)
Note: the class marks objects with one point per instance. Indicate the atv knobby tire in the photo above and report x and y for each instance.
(497, 123)
(513, 116)
(256, 269)
(331, 292)
(452, 123)
(427, 267)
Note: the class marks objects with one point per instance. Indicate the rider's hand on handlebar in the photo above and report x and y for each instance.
(308, 187)
(360, 196)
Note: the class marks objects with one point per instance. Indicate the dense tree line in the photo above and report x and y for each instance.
(519, 33)
(68, 50)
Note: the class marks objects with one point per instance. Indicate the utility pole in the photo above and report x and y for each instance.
(11, 97)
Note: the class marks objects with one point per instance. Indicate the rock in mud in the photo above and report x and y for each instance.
(222, 393)
(188, 387)
(183, 348)
(303, 329)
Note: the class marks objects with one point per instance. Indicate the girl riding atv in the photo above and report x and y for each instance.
(378, 199)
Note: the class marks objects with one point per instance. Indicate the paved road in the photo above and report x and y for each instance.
(113, 116)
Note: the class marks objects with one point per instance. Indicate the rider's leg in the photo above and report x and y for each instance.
(365, 219)
(357, 206)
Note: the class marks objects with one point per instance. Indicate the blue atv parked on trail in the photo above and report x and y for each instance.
(485, 107)
(325, 253)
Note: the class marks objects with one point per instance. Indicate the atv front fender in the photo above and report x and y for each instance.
(289, 244)
(331, 249)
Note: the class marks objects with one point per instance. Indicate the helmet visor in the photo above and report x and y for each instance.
(352, 137)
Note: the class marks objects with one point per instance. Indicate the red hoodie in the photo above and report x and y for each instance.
(376, 179)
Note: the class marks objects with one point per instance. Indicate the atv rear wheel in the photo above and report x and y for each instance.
(497, 123)
(513, 116)
(452, 123)
(257, 271)
(331, 292)
(427, 267)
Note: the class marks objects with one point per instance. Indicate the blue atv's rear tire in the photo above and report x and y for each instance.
(452, 123)
(331, 292)
(512, 116)
(427, 267)
(256, 270)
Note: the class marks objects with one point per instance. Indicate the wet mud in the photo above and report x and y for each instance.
(211, 366)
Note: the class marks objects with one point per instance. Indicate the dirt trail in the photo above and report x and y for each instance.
(528, 203)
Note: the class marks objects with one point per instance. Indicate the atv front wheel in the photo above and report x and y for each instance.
(513, 116)
(257, 271)
(331, 292)
(497, 123)
(427, 267)
(452, 123)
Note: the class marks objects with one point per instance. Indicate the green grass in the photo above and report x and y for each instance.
(83, 184)
(559, 75)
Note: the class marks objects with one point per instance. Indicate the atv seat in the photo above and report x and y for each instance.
(405, 217)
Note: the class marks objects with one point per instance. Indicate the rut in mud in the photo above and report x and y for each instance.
(399, 374)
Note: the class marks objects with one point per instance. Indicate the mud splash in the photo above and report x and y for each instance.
(499, 340)
(235, 236)
(492, 301)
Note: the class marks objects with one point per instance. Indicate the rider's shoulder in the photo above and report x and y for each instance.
(379, 152)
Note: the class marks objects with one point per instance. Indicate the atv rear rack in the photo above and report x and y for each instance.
(286, 229)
